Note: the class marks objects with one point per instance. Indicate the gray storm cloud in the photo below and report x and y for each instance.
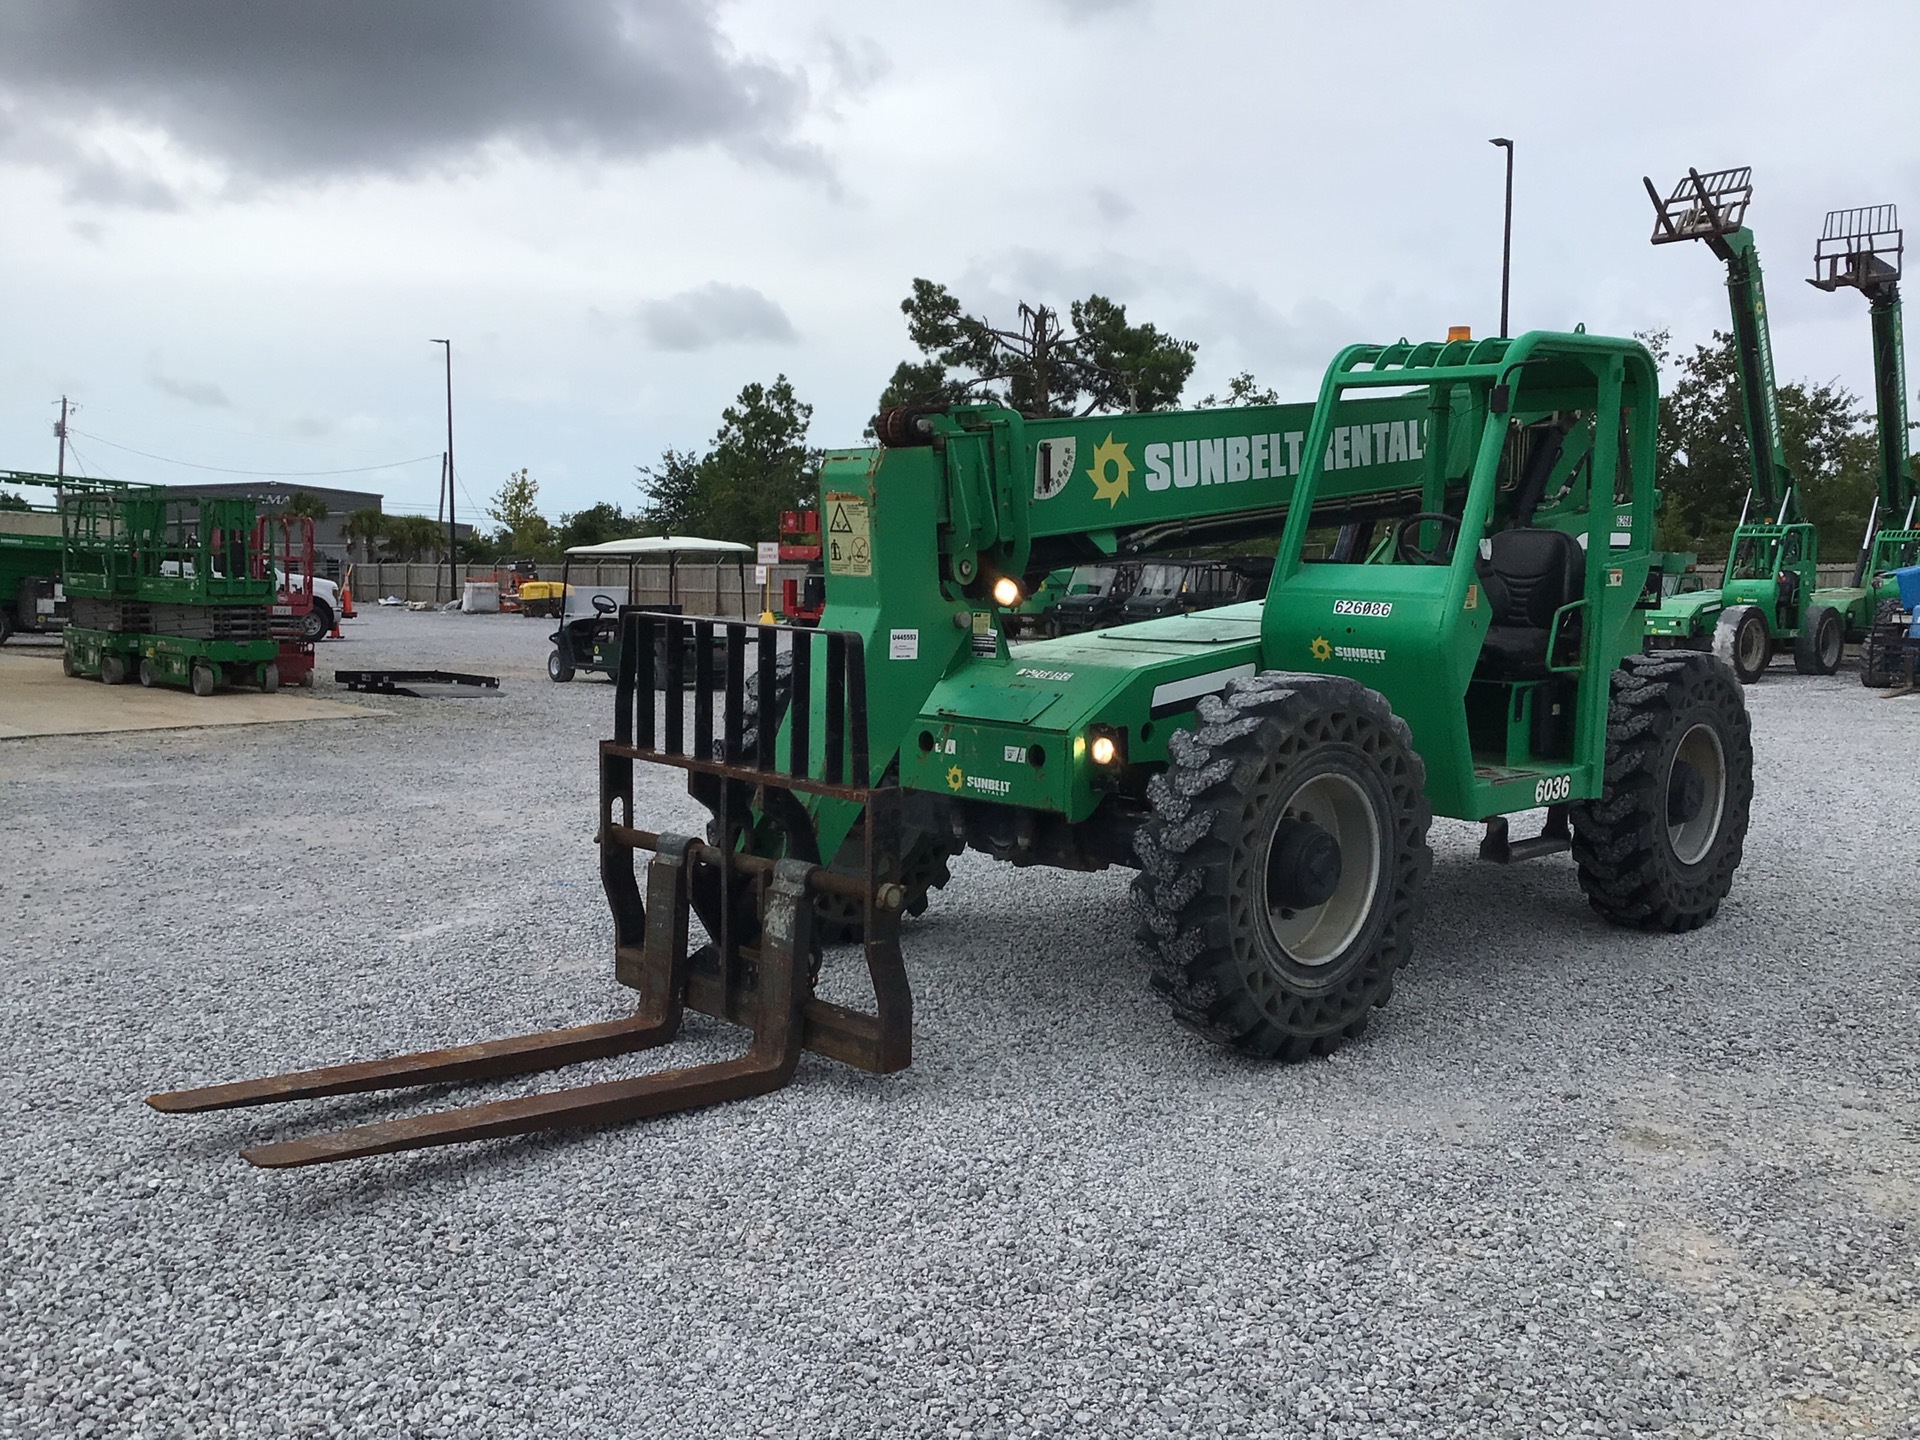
(713, 314)
(273, 92)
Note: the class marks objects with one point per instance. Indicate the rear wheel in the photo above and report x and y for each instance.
(1876, 671)
(269, 677)
(1282, 869)
(201, 678)
(113, 669)
(1658, 849)
(1741, 638)
(559, 667)
(318, 622)
(1822, 638)
(146, 673)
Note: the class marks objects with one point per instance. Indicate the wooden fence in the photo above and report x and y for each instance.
(700, 589)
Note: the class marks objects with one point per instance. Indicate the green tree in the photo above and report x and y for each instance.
(598, 524)
(1243, 389)
(366, 527)
(1097, 362)
(1704, 465)
(304, 502)
(759, 464)
(515, 509)
(414, 538)
(11, 501)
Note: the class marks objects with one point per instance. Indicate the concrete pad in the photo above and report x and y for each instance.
(37, 698)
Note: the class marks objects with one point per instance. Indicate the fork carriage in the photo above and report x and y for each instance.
(758, 966)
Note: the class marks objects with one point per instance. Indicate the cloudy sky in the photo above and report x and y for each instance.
(231, 229)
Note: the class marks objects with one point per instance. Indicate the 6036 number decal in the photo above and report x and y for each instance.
(1554, 787)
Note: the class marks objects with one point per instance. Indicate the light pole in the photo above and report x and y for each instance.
(1506, 234)
(453, 544)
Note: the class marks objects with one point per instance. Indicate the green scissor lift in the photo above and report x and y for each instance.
(1766, 601)
(167, 589)
(1861, 250)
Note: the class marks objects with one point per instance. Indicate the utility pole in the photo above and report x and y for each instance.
(1506, 236)
(60, 429)
(453, 545)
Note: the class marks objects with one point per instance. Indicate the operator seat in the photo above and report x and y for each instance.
(1528, 574)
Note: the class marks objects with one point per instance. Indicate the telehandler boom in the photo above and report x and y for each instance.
(1765, 602)
(1270, 768)
(1861, 250)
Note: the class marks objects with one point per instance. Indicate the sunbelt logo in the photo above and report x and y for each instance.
(1231, 459)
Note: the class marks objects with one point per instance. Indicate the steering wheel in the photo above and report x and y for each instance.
(605, 604)
(1407, 548)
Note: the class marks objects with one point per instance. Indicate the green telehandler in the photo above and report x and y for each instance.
(1271, 769)
(1765, 602)
(1861, 250)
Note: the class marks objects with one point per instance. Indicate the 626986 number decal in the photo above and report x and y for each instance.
(1554, 787)
(1375, 609)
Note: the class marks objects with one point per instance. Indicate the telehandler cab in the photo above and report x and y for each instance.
(1270, 768)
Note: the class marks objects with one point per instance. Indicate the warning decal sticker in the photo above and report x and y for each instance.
(849, 536)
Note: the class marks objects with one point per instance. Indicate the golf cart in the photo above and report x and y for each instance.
(589, 633)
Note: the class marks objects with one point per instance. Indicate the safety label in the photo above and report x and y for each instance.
(849, 536)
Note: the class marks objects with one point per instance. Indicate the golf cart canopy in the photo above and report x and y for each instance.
(664, 546)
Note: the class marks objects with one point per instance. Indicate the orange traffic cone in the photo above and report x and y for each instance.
(346, 603)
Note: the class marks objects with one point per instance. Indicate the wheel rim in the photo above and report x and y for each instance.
(1752, 645)
(1317, 934)
(1830, 644)
(1699, 749)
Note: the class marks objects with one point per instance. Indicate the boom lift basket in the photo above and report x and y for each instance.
(757, 969)
(1861, 248)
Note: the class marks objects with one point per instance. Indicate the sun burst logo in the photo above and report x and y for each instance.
(1110, 453)
(954, 778)
(1322, 650)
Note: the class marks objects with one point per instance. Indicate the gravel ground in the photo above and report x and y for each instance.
(1573, 1181)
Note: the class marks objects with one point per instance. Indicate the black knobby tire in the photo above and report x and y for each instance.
(1876, 673)
(1821, 641)
(1657, 851)
(1741, 639)
(1273, 754)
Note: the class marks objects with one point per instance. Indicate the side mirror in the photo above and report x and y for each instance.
(1499, 399)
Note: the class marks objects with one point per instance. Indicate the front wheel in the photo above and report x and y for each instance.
(1741, 638)
(146, 673)
(559, 667)
(1822, 638)
(318, 622)
(1283, 866)
(269, 677)
(201, 679)
(113, 669)
(1658, 849)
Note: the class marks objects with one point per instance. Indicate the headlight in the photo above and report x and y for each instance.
(1103, 750)
(1006, 592)
(1105, 747)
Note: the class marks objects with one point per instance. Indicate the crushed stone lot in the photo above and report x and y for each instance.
(1573, 1180)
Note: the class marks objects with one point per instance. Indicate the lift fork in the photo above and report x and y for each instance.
(758, 969)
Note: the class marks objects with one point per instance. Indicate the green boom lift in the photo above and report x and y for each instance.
(1861, 250)
(1270, 768)
(1766, 599)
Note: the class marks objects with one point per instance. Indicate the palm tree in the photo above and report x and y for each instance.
(368, 527)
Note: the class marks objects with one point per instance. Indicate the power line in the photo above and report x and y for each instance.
(227, 470)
